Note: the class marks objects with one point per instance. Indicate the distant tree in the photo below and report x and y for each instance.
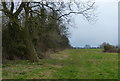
(87, 46)
(102, 45)
(109, 48)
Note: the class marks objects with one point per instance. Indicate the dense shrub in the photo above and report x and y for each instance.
(109, 48)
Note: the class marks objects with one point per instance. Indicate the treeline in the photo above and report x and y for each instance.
(30, 29)
(42, 33)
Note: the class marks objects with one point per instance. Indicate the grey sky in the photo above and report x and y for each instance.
(105, 29)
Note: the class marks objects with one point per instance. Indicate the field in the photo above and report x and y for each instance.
(68, 64)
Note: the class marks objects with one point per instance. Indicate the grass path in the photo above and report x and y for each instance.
(68, 64)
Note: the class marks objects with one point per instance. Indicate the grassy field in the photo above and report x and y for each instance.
(68, 64)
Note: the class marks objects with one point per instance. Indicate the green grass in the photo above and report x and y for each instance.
(68, 64)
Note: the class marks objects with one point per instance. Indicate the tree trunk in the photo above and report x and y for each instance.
(29, 45)
(27, 40)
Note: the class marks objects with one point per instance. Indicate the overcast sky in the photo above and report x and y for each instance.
(104, 30)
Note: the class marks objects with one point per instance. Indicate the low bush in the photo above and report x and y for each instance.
(109, 48)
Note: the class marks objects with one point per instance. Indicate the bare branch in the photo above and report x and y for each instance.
(20, 8)
(5, 9)
(79, 12)
(5, 6)
(12, 6)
